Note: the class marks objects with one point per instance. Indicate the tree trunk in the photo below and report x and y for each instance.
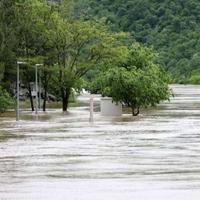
(45, 100)
(30, 96)
(65, 98)
(135, 111)
(65, 104)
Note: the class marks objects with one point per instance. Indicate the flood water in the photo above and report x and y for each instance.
(62, 156)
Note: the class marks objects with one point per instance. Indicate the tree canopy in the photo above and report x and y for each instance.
(171, 27)
(67, 44)
(66, 48)
(135, 81)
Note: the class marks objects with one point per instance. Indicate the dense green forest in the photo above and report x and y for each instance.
(171, 27)
(71, 49)
(79, 40)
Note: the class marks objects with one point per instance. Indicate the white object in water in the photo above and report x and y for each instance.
(110, 108)
(91, 109)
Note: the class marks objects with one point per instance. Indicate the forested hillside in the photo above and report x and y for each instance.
(171, 27)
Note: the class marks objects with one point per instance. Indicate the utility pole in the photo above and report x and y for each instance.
(39, 90)
(17, 105)
(36, 88)
(18, 90)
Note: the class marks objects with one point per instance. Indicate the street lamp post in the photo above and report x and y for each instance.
(39, 90)
(18, 91)
(36, 87)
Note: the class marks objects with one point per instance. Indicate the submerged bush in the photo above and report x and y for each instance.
(195, 77)
(6, 100)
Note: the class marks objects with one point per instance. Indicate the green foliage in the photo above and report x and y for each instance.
(6, 101)
(79, 46)
(69, 45)
(1, 70)
(8, 39)
(195, 77)
(137, 82)
(171, 27)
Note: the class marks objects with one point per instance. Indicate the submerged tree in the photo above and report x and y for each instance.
(137, 82)
(5, 100)
(68, 47)
(79, 47)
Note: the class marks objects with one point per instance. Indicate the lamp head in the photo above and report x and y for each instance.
(20, 62)
(38, 64)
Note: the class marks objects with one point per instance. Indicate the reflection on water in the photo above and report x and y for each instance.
(62, 156)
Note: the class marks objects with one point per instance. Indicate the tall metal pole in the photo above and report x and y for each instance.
(36, 89)
(36, 85)
(17, 106)
(39, 90)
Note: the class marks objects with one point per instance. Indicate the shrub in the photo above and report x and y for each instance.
(6, 100)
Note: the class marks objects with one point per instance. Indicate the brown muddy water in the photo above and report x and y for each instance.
(61, 156)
